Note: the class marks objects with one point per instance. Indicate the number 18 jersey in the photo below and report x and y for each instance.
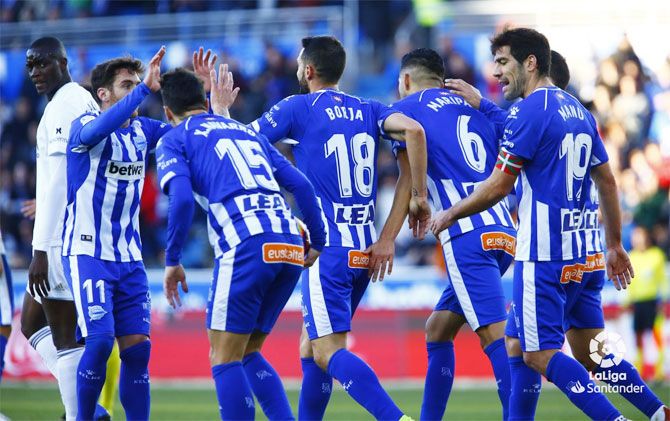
(554, 140)
(337, 136)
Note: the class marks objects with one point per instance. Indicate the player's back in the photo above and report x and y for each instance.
(557, 139)
(462, 151)
(231, 171)
(337, 136)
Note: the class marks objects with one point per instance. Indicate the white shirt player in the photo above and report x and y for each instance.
(69, 102)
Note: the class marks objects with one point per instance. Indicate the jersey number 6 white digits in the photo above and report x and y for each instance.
(244, 155)
(577, 150)
(472, 145)
(363, 154)
(88, 286)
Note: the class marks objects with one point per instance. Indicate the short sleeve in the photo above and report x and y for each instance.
(280, 121)
(523, 131)
(401, 107)
(157, 129)
(74, 141)
(277, 160)
(170, 160)
(381, 113)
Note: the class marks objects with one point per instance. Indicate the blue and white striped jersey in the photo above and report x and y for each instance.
(337, 136)
(231, 170)
(105, 180)
(462, 151)
(557, 139)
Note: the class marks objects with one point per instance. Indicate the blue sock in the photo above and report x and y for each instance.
(498, 356)
(439, 379)
(362, 384)
(574, 381)
(635, 389)
(267, 386)
(236, 400)
(134, 381)
(317, 385)
(91, 374)
(526, 387)
(3, 345)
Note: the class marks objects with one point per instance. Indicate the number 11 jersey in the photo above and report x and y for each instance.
(336, 139)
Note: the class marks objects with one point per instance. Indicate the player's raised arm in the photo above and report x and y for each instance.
(90, 131)
(203, 64)
(382, 251)
(223, 93)
(400, 127)
(619, 268)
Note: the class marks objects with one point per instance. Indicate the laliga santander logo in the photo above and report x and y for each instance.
(607, 349)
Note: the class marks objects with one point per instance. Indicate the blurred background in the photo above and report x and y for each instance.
(618, 56)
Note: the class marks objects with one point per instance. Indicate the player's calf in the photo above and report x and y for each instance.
(134, 380)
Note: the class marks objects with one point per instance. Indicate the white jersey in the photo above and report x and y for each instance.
(69, 102)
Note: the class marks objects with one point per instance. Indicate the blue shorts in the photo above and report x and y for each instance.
(475, 263)
(6, 294)
(112, 298)
(332, 289)
(253, 281)
(583, 307)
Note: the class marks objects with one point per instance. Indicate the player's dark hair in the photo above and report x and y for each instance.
(51, 45)
(524, 42)
(425, 58)
(102, 75)
(559, 71)
(327, 55)
(183, 91)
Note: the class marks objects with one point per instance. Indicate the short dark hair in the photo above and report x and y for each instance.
(559, 71)
(51, 45)
(524, 42)
(327, 55)
(182, 91)
(427, 59)
(102, 75)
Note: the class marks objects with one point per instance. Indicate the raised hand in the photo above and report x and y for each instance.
(203, 64)
(223, 94)
(153, 77)
(619, 268)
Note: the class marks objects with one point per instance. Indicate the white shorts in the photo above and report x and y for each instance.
(60, 290)
(6, 294)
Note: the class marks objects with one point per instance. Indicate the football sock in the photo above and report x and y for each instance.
(317, 385)
(362, 384)
(134, 381)
(574, 381)
(67, 364)
(498, 356)
(267, 387)
(43, 343)
(3, 345)
(236, 401)
(108, 393)
(526, 387)
(439, 379)
(631, 386)
(91, 373)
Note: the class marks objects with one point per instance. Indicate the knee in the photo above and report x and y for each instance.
(99, 346)
(513, 346)
(538, 360)
(585, 361)
(305, 347)
(28, 326)
(438, 329)
(137, 355)
(322, 357)
(490, 333)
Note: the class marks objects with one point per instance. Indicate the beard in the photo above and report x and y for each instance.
(304, 87)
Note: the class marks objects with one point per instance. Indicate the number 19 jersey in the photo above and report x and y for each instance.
(555, 142)
(336, 139)
(462, 151)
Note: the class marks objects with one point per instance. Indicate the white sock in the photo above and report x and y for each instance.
(43, 343)
(659, 415)
(68, 361)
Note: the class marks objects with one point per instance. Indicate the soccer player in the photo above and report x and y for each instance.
(583, 318)
(551, 141)
(48, 316)
(462, 149)
(336, 137)
(6, 304)
(107, 155)
(235, 175)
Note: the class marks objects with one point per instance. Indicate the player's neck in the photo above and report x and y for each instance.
(423, 86)
(315, 86)
(179, 119)
(64, 81)
(535, 83)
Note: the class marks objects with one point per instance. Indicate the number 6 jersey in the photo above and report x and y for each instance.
(553, 142)
(337, 136)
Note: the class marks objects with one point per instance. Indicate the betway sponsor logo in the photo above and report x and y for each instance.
(128, 171)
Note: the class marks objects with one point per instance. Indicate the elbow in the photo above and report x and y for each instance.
(414, 132)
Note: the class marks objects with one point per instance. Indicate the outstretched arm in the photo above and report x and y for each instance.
(179, 218)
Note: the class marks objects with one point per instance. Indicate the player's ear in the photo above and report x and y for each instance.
(310, 72)
(103, 94)
(168, 114)
(406, 81)
(531, 62)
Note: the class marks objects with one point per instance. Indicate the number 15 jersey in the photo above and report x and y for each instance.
(336, 141)
(554, 142)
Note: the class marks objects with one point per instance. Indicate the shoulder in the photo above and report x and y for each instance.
(85, 118)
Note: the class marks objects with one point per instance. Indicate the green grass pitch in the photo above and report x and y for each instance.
(25, 402)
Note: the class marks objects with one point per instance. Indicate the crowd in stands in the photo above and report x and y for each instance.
(630, 102)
